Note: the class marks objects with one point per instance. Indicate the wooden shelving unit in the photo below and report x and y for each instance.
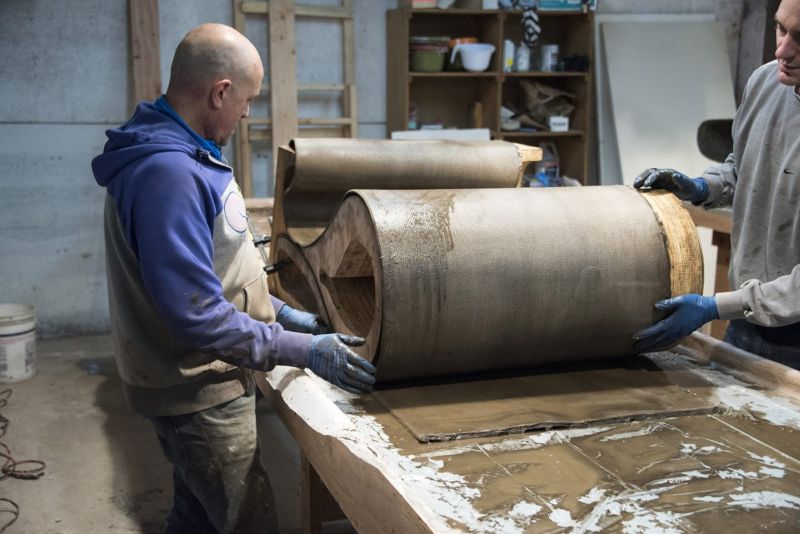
(450, 96)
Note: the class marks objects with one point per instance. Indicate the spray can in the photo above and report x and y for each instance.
(549, 57)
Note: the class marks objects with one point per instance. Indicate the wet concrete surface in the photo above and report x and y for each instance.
(105, 471)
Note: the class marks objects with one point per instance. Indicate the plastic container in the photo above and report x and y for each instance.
(474, 56)
(546, 172)
(456, 65)
(549, 58)
(508, 55)
(428, 53)
(523, 62)
(17, 342)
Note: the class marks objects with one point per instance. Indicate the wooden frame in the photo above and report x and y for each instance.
(145, 57)
(283, 89)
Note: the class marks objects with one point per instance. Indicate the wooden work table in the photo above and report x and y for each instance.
(734, 468)
(720, 222)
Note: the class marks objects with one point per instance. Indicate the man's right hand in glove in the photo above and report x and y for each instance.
(332, 359)
(685, 188)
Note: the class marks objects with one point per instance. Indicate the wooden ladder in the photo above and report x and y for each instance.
(283, 88)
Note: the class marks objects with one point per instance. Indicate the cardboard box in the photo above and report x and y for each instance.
(558, 123)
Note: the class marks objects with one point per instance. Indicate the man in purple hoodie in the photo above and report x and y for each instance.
(189, 305)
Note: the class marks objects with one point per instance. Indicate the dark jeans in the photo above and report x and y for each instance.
(220, 483)
(781, 344)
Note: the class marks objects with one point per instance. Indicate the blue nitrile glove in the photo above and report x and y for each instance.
(300, 321)
(680, 185)
(332, 359)
(689, 312)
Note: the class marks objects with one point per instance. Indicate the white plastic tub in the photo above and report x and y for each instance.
(17, 342)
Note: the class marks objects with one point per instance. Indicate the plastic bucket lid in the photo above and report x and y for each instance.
(16, 318)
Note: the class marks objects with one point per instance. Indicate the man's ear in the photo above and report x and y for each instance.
(219, 92)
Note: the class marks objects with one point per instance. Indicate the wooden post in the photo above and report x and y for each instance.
(282, 74)
(145, 57)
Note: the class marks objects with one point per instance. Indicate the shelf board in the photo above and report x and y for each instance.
(452, 74)
(455, 11)
(546, 133)
(545, 74)
(494, 12)
(551, 12)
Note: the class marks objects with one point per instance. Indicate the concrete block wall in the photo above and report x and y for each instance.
(65, 81)
(64, 77)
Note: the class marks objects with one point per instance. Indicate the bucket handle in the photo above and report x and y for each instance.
(456, 48)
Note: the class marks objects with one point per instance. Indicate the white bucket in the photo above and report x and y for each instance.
(17, 342)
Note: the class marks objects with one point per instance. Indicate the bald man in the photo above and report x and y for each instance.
(761, 180)
(189, 305)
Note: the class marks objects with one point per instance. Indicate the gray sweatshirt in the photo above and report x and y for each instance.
(761, 181)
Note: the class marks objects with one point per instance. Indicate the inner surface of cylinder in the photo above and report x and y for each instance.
(352, 289)
(295, 285)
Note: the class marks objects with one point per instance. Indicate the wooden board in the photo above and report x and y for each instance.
(283, 89)
(282, 72)
(736, 472)
(145, 64)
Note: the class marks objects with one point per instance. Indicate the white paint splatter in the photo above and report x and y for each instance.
(767, 460)
(594, 495)
(436, 464)
(562, 518)
(649, 429)
(772, 472)
(644, 496)
(648, 521)
(708, 498)
(736, 395)
(764, 499)
(691, 449)
(525, 509)
(696, 474)
(728, 474)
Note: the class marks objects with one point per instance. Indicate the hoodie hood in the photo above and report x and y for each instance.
(147, 132)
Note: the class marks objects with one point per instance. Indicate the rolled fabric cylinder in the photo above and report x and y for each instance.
(316, 173)
(444, 282)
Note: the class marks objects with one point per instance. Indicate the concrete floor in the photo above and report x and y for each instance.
(105, 471)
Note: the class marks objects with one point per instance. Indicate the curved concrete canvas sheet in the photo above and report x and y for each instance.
(321, 171)
(442, 282)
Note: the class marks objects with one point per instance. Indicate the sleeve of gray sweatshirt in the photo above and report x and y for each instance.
(772, 303)
(721, 181)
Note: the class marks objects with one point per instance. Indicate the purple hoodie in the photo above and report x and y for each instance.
(168, 191)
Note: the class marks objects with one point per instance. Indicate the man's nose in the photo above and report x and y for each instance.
(787, 48)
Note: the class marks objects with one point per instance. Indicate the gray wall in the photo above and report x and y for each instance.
(64, 78)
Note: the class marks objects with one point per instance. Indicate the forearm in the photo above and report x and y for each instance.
(774, 303)
(277, 304)
(245, 342)
(721, 180)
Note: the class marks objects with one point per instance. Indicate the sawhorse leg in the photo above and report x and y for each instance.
(316, 503)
